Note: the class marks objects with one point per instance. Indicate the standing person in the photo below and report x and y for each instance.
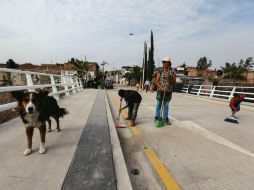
(235, 104)
(151, 88)
(147, 84)
(132, 99)
(164, 81)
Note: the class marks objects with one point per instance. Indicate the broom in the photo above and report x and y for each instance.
(120, 125)
(160, 122)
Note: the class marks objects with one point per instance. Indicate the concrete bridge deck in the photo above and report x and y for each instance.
(78, 157)
(199, 151)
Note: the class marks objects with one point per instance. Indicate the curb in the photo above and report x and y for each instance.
(122, 177)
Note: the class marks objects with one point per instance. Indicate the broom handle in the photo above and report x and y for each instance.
(162, 104)
(120, 108)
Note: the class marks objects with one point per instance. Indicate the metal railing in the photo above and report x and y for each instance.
(225, 92)
(70, 83)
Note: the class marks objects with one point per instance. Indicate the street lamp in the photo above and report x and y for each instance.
(103, 77)
(103, 63)
(142, 63)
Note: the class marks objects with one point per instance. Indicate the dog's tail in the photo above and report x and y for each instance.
(63, 112)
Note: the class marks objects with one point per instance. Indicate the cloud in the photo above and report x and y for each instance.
(44, 30)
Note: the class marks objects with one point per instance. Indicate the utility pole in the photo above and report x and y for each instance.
(103, 77)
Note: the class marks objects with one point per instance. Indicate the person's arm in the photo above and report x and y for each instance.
(124, 106)
(242, 97)
(126, 100)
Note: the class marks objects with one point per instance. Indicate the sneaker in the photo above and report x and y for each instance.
(156, 118)
(132, 124)
(167, 122)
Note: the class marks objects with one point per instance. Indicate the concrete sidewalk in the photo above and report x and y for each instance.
(49, 170)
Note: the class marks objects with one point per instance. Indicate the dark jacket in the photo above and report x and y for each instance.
(132, 97)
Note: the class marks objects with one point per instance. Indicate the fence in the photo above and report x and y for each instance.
(70, 83)
(225, 92)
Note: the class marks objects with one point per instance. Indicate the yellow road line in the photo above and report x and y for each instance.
(161, 170)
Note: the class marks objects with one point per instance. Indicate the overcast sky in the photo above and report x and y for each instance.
(41, 31)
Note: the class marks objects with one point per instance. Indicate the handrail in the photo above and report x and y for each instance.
(25, 72)
(70, 83)
(219, 91)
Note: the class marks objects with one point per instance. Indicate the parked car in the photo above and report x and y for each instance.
(109, 84)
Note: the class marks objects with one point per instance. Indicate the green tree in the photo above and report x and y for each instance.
(235, 71)
(133, 76)
(128, 77)
(185, 68)
(203, 64)
(150, 63)
(11, 64)
(81, 67)
(136, 73)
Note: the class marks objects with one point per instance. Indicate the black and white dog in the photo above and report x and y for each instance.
(35, 108)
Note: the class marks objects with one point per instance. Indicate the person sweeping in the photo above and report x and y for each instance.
(132, 99)
(164, 81)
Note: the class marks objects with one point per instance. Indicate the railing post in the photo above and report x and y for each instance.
(67, 93)
(212, 92)
(80, 84)
(232, 93)
(187, 91)
(77, 83)
(54, 89)
(199, 90)
(29, 82)
(73, 85)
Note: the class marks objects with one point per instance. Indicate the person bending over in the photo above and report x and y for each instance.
(132, 99)
(235, 104)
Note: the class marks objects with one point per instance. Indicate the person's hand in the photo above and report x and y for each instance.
(163, 89)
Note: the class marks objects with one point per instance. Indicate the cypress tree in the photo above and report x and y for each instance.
(150, 64)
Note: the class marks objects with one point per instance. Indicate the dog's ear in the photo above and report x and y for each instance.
(42, 94)
(19, 95)
(45, 93)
